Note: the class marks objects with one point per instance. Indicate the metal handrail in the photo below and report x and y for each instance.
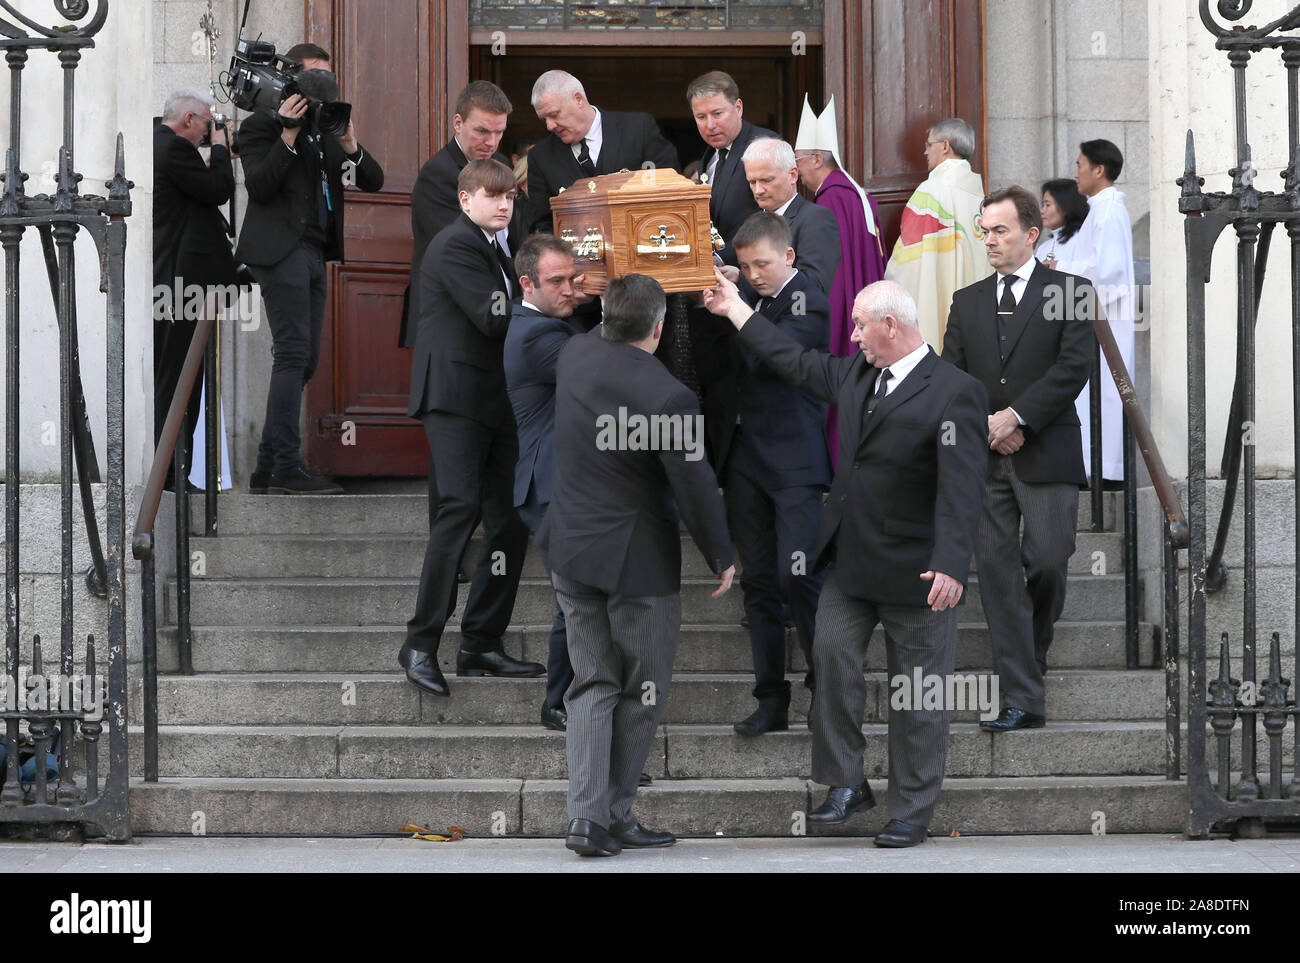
(142, 542)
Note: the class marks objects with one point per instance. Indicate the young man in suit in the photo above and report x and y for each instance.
(482, 109)
(539, 329)
(614, 547)
(584, 141)
(294, 224)
(897, 533)
(190, 244)
(458, 389)
(773, 176)
(769, 448)
(718, 111)
(1021, 332)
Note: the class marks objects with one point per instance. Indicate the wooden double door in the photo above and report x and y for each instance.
(894, 67)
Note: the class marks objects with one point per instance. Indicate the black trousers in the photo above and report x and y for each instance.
(775, 533)
(559, 670)
(171, 342)
(474, 469)
(294, 292)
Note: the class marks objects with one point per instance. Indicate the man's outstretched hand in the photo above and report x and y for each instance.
(724, 300)
(944, 593)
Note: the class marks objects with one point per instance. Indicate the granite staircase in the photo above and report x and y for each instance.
(299, 721)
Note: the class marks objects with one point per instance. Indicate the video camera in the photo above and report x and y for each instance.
(259, 77)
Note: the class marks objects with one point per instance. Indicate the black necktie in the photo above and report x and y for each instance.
(584, 160)
(1006, 308)
(881, 387)
(507, 265)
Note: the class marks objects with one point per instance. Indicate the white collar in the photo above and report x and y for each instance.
(529, 304)
(782, 209)
(1022, 273)
(594, 137)
(901, 368)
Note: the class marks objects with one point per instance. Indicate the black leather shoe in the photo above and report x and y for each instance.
(1011, 718)
(899, 835)
(296, 481)
(422, 671)
(635, 836)
(258, 481)
(644, 779)
(591, 839)
(841, 803)
(556, 719)
(496, 664)
(766, 718)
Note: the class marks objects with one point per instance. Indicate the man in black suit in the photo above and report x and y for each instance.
(584, 141)
(294, 174)
(897, 533)
(717, 108)
(773, 176)
(458, 389)
(539, 329)
(190, 244)
(769, 448)
(479, 122)
(627, 439)
(1025, 331)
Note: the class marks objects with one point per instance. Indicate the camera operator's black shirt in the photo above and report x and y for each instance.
(317, 232)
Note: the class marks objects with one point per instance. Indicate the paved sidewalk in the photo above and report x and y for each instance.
(1011, 854)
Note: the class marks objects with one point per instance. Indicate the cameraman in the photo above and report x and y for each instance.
(190, 244)
(294, 175)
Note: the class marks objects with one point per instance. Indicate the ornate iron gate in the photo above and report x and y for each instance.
(59, 729)
(1237, 793)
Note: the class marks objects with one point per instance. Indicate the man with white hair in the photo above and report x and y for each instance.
(584, 141)
(896, 539)
(190, 244)
(940, 246)
(773, 176)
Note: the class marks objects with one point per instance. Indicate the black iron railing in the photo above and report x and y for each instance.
(1237, 796)
(71, 726)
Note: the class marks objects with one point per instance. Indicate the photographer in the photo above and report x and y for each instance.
(294, 171)
(190, 245)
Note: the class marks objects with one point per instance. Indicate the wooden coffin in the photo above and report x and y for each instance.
(652, 221)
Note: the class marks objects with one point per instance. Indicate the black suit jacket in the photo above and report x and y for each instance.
(815, 237)
(434, 205)
(784, 427)
(189, 232)
(628, 141)
(466, 306)
(1040, 369)
(533, 345)
(283, 188)
(909, 489)
(732, 201)
(611, 524)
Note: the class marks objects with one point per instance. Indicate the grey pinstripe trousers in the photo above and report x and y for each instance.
(1022, 579)
(918, 739)
(617, 644)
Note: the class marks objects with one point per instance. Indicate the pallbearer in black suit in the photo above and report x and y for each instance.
(773, 175)
(718, 111)
(1025, 331)
(769, 448)
(585, 141)
(539, 330)
(897, 533)
(480, 119)
(458, 389)
(627, 441)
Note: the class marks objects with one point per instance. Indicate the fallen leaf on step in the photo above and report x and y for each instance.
(453, 834)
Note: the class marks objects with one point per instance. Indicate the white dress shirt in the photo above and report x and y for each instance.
(510, 284)
(595, 138)
(1018, 284)
(901, 368)
(712, 172)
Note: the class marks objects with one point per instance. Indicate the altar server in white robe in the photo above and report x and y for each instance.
(1102, 252)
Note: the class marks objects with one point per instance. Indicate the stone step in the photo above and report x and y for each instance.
(388, 699)
(703, 647)
(688, 807)
(382, 601)
(401, 556)
(691, 752)
(408, 514)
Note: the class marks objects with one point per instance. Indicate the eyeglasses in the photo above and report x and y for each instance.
(803, 157)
